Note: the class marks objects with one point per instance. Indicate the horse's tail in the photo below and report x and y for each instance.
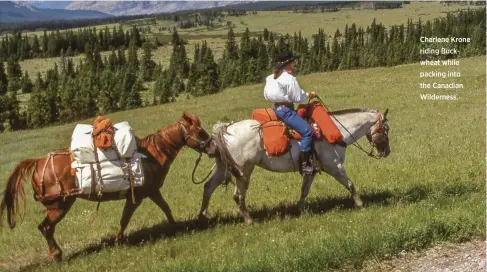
(14, 191)
(223, 155)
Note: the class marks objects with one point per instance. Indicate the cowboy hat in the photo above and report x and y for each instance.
(284, 58)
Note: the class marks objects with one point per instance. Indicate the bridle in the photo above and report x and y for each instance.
(380, 127)
(202, 144)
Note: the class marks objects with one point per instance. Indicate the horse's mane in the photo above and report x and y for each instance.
(229, 164)
(353, 110)
(160, 143)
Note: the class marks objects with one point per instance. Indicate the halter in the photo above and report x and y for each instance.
(380, 127)
(187, 136)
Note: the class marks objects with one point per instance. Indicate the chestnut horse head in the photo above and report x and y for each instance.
(195, 136)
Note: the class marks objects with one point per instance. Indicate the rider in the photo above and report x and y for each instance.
(283, 90)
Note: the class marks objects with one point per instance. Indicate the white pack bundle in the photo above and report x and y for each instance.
(82, 146)
(114, 174)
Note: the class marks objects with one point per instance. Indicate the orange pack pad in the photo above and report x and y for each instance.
(322, 117)
(276, 141)
(264, 115)
(103, 132)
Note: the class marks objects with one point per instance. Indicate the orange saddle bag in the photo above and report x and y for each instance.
(322, 117)
(274, 132)
(276, 140)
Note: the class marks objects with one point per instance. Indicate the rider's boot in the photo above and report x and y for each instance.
(306, 162)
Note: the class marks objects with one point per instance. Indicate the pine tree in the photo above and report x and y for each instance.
(231, 48)
(3, 111)
(162, 88)
(133, 99)
(38, 110)
(179, 61)
(135, 36)
(112, 60)
(70, 68)
(3, 79)
(211, 80)
(167, 94)
(266, 34)
(62, 62)
(36, 47)
(133, 60)
(147, 64)
(87, 93)
(121, 60)
(14, 119)
(128, 83)
(14, 74)
(26, 83)
(45, 44)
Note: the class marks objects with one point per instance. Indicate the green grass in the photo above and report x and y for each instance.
(430, 189)
(289, 22)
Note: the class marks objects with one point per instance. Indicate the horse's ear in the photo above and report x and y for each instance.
(385, 113)
(186, 116)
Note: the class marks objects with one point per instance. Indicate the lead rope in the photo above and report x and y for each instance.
(193, 179)
(356, 144)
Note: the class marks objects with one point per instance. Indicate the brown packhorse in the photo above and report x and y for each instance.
(57, 189)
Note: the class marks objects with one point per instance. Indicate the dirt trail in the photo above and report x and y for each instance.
(466, 257)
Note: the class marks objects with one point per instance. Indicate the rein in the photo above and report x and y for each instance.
(202, 144)
(356, 144)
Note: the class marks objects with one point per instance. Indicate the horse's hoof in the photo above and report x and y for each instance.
(359, 205)
(203, 217)
(300, 207)
(56, 256)
(248, 221)
(118, 240)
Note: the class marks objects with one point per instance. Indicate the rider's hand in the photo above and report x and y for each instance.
(311, 95)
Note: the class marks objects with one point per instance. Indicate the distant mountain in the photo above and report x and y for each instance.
(20, 11)
(146, 7)
(49, 4)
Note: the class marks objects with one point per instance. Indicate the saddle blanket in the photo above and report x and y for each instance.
(114, 175)
(82, 146)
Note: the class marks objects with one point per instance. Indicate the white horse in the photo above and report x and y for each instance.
(240, 149)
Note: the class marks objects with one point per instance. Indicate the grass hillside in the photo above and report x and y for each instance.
(430, 189)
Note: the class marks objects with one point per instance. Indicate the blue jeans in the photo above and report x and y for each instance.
(292, 119)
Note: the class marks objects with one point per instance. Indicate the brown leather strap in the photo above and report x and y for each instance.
(129, 169)
(98, 167)
(50, 157)
(49, 197)
(93, 185)
(43, 173)
(131, 178)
